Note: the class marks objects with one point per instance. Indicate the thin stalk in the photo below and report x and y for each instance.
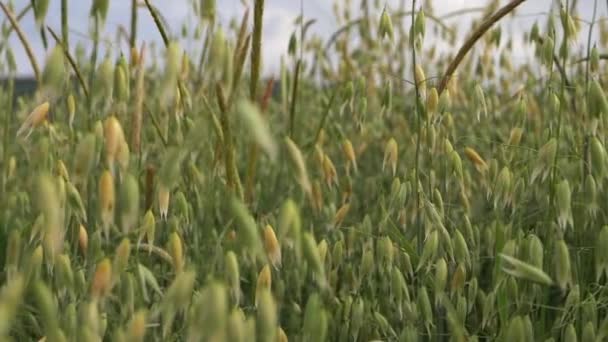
(157, 22)
(136, 119)
(156, 125)
(478, 33)
(589, 46)
(584, 59)
(232, 176)
(10, 28)
(71, 60)
(324, 118)
(133, 36)
(294, 98)
(163, 33)
(7, 124)
(420, 232)
(23, 39)
(256, 48)
(204, 51)
(93, 64)
(65, 33)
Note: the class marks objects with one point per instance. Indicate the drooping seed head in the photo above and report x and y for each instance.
(83, 240)
(102, 279)
(175, 248)
(136, 330)
(329, 171)
(271, 244)
(34, 119)
(385, 29)
(129, 203)
(121, 257)
(476, 159)
(163, 201)
(233, 278)
(561, 262)
(113, 139)
(546, 156)
(263, 283)
(349, 152)
(515, 136)
(107, 200)
(341, 214)
(563, 196)
(391, 154)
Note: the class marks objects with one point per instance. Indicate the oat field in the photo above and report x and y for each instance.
(395, 181)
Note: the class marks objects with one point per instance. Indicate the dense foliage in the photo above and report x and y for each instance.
(164, 194)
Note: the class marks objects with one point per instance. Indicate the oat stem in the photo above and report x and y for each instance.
(133, 36)
(232, 176)
(419, 226)
(23, 39)
(256, 48)
(157, 22)
(65, 33)
(478, 33)
(137, 117)
(294, 98)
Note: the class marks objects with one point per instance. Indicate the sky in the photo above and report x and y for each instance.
(279, 17)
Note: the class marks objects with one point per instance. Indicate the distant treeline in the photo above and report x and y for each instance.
(23, 85)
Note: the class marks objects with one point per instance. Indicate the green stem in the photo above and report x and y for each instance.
(157, 22)
(93, 63)
(589, 46)
(7, 124)
(133, 37)
(10, 28)
(419, 226)
(478, 33)
(232, 176)
(65, 34)
(294, 99)
(23, 39)
(256, 48)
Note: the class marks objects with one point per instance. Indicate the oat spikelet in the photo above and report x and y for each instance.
(107, 200)
(101, 284)
(300, 166)
(317, 196)
(349, 152)
(329, 171)
(391, 155)
(264, 282)
(175, 248)
(341, 214)
(271, 244)
(34, 119)
(83, 239)
(476, 159)
(113, 139)
(163, 201)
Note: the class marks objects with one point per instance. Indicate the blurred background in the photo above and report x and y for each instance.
(279, 22)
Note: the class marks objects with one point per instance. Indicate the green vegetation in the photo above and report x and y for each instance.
(172, 195)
